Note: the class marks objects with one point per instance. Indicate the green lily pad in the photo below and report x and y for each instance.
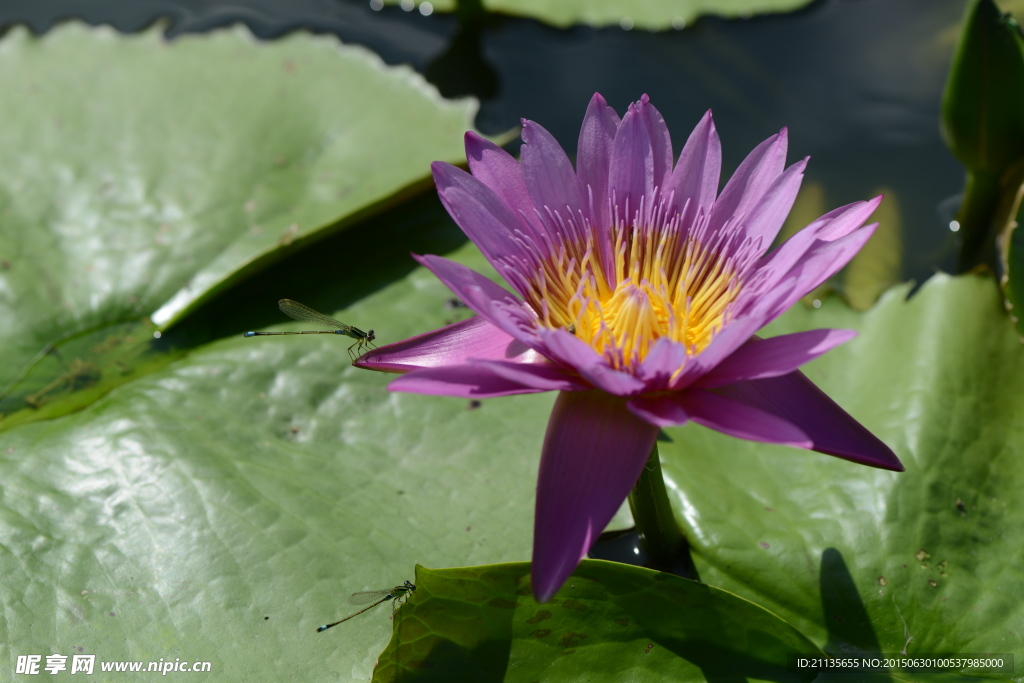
(223, 507)
(653, 15)
(609, 622)
(924, 561)
(142, 176)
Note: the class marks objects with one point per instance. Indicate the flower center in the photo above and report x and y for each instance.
(622, 291)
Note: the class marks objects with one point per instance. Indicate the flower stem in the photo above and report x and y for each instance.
(660, 536)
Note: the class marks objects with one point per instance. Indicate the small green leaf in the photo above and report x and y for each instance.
(983, 121)
(983, 103)
(609, 622)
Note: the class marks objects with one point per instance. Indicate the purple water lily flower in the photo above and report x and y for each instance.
(638, 290)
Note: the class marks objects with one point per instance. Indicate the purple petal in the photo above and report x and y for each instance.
(830, 227)
(575, 353)
(760, 358)
(479, 212)
(451, 345)
(751, 180)
(488, 300)
(593, 155)
(499, 170)
(731, 337)
(752, 316)
(661, 141)
(658, 410)
(594, 451)
(846, 219)
(797, 400)
(766, 218)
(735, 418)
(470, 380)
(549, 174)
(539, 373)
(631, 177)
(695, 178)
(662, 361)
(820, 263)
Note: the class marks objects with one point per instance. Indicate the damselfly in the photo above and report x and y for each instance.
(297, 311)
(376, 597)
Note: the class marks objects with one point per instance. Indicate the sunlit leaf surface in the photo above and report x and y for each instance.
(140, 176)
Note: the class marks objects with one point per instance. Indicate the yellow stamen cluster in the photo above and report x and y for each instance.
(659, 283)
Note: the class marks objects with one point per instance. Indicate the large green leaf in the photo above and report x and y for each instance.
(221, 508)
(609, 622)
(140, 177)
(929, 560)
(654, 15)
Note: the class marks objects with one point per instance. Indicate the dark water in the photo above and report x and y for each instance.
(858, 82)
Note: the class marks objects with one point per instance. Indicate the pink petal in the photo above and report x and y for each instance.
(488, 300)
(754, 314)
(735, 418)
(848, 218)
(499, 170)
(766, 218)
(549, 175)
(480, 213)
(661, 141)
(539, 373)
(751, 180)
(451, 345)
(831, 429)
(731, 337)
(659, 410)
(821, 262)
(594, 451)
(662, 361)
(470, 380)
(830, 227)
(760, 358)
(573, 352)
(593, 155)
(631, 176)
(695, 178)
